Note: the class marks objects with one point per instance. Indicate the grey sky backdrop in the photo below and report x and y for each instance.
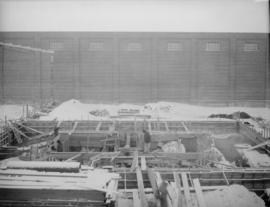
(135, 15)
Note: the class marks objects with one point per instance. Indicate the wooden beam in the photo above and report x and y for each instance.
(263, 144)
(27, 127)
(142, 196)
(135, 161)
(225, 177)
(178, 185)
(184, 125)
(143, 163)
(73, 157)
(166, 126)
(136, 200)
(179, 156)
(17, 130)
(73, 128)
(153, 182)
(199, 193)
(186, 189)
(59, 123)
(127, 140)
(98, 126)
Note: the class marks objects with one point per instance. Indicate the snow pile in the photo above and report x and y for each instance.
(256, 159)
(72, 109)
(75, 110)
(190, 112)
(233, 196)
(174, 147)
(253, 157)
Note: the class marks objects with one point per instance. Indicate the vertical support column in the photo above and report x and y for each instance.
(194, 72)
(2, 78)
(267, 75)
(116, 70)
(154, 69)
(52, 77)
(232, 71)
(142, 196)
(40, 80)
(199, 193)
(76, 75)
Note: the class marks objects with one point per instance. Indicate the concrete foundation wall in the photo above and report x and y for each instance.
(218, 68)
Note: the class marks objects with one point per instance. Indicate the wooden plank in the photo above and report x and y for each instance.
(153, 182)
(98, 126)
(180, 156)
(127, 141)
(143, 163)
(263, 144)
(199, 192)
(58, 124)
(27, 127)
(142, 196)
(14, 128)
(136, 200)
(73, 157)
(184, 125)
(135, 161)
(74, 128)
(178, 185)
(186, 188)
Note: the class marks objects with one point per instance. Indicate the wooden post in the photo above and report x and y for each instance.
(151, 176)
(186, 188)
(178, 185)
(3, 74)
(199, 193)
(136, 200)
(142, 196)
(143, 163)
(135, 161)
(52, 77)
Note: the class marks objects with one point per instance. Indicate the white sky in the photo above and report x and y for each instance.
(135, 15)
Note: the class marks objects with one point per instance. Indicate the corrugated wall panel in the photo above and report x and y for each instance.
(213, 66)
(135, 71)
(135, 67)
(19, 71)
(250, 69)
(96, 69)
(58, 72)
(174, 69)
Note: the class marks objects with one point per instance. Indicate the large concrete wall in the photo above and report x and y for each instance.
(136, 67)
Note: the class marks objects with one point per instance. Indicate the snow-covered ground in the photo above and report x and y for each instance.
(76, 110)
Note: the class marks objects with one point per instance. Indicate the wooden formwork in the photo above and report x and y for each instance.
(179, 184)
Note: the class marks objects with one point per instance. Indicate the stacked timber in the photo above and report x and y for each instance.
(62, 188)
(45, 166)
